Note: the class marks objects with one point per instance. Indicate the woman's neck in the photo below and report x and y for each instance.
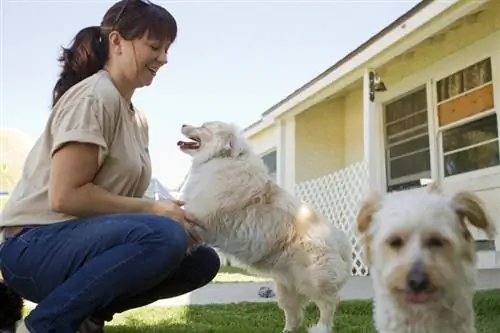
(124, 87)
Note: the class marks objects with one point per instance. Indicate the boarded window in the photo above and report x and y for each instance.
(468, 121)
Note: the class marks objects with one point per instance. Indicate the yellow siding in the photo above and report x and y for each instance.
(319, 140)
(353, 122)
(460, 34)
(265, 140)
(329, 135)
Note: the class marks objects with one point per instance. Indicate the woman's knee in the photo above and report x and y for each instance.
(167, 234)
(209, 263)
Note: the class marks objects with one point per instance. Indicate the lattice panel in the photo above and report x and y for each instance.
(338, 196)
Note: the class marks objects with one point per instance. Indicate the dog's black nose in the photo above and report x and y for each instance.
(417, 279)
(184, 125)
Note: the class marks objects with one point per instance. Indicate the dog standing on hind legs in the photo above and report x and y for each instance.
(422, 259)
(243, 212)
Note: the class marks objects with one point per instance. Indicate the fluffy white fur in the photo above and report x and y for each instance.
(422, 257)
(246, 215)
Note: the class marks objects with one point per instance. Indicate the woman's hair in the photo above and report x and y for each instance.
(88, 52)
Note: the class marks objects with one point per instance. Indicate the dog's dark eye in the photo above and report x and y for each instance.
(395, 242)
(435, 242)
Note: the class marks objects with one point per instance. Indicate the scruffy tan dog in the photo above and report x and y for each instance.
(422, 259)
(245, 214)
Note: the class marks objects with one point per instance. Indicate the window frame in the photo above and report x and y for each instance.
(428, 77)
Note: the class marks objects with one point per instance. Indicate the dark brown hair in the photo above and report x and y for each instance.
(88, 52)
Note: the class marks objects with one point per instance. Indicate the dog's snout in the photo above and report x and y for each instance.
(184, 125)
(417, 279)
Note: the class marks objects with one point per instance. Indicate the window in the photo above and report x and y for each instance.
(466, 128)
(406, 131)
(270, 160)
(467, 120)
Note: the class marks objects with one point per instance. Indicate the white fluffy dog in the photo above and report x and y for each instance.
(244, 213)
(422, 257)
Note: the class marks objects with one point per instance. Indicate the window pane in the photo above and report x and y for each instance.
(470, 134)
(410, 165)
(416, 144)
(406, 106)
(422, 130)
(270, 161)
(476, 158)
(464, 80)
(407, 123)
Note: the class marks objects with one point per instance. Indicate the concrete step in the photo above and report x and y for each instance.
(488, 260)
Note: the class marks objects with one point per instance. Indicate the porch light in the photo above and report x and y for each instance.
(376, 85)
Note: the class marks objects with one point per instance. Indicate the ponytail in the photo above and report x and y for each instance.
(86, 56)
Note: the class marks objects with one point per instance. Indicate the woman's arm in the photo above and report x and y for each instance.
(72, 192)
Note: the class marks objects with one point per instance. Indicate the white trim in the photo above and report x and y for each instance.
(486, 47)
(259, 127)
(428, 21)
(281, 153)
(369, 129)
(286, 154)
(289, 178)
(495, 72)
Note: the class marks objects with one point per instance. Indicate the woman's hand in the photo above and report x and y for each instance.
(173, 210)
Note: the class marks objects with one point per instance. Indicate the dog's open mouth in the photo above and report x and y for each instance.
(193, 144)
(418, 297)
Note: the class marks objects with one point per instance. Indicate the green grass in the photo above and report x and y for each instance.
(236, 274)
(352, 317)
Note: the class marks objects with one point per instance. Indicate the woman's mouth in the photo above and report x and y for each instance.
(152, 70)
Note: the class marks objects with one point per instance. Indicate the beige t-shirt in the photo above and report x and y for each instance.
(92, 111)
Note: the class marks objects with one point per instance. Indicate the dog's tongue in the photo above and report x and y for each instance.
(420, 297)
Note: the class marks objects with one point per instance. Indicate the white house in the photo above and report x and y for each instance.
(416, 102)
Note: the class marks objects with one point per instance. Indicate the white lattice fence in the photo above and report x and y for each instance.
(338, 196)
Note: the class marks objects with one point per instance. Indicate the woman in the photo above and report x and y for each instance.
(79, 238)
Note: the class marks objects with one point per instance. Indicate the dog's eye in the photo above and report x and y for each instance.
(435, 242)
(395, 242)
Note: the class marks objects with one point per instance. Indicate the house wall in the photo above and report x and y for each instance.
(464, 43)
(353, 122)
(265, 141)
(320, 140)
(460, 34)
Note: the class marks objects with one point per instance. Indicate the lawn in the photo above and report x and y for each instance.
(236, 274)
(352, 317)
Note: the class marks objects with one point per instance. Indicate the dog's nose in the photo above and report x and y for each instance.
(417, 279)
(184, 125)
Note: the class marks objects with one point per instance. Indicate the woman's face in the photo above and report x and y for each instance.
(140, 59)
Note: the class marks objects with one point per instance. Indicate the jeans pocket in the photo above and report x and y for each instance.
(16, 271)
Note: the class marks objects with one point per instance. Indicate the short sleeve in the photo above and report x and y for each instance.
(85, 121)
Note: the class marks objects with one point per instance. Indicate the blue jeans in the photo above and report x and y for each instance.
(100, 266)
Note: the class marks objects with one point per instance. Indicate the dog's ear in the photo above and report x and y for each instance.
(365, 213)
(469, 206)
(231, 145)
(364, 220)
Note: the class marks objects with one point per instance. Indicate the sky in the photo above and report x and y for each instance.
(232, 60)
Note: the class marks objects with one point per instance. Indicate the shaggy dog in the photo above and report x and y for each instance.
(241, 211)
(11, 309)
(422, 259)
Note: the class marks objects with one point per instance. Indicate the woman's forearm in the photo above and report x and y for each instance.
(90, 200)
